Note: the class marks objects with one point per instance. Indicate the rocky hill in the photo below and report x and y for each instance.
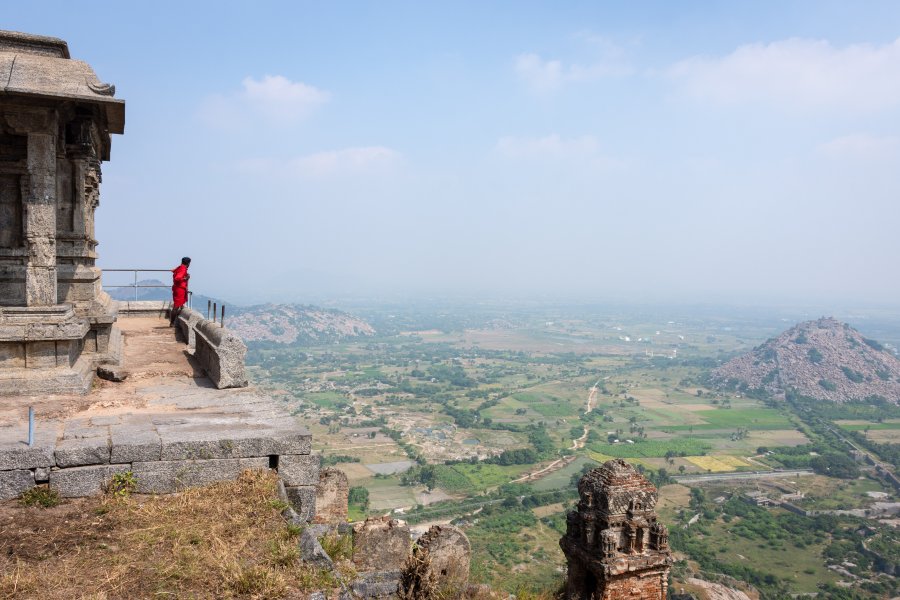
(823, 359)
(295, 324)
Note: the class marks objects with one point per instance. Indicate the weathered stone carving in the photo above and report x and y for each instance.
(614, 545)
(56, 118)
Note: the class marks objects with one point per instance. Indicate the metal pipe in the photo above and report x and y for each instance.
(30, 426)
(135, 286)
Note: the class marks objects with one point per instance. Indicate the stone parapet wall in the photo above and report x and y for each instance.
(79, 461)
(144, 308)
(219, 351)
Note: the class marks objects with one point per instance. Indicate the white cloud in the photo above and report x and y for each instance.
(796, 73)
(355, 161)
(549, 75)
(274, 98)
(860, 145)
(551, 146)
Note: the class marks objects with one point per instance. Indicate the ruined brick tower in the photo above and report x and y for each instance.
(614, 546)
(56, 117)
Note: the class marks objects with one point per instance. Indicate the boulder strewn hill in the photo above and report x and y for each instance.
(823, 359)
(295, 324)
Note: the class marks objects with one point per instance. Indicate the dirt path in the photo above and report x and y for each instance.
(577, 444)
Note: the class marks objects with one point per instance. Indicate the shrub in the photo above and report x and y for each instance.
(122, 484)
(337, 546)
(41, 495)
(827, 385)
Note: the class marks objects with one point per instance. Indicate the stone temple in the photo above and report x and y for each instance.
(614, 545)
(175, 407)
(56, 117)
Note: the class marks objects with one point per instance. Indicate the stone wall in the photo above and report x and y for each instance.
(143, 308)
(219, 351)
(82, 462)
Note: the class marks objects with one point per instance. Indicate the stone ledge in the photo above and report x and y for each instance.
(78, 452)
(26, 458)
(205, 447)
(161, 477)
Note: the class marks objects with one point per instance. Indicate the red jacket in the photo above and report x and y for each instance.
(179, 286)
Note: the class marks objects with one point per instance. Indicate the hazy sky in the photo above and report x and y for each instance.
(664, 150)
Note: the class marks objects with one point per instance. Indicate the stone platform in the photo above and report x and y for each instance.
(166, 423)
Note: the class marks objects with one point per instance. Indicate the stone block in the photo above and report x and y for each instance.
(26, 458)
(13, 483)
(221, 354)
(379, 544)
(188, 319)
(450, 553)
(166, 476)
(181, 443)
(78, 482)
(42, 475)
(332, 494)
(40, 355)
(12, 355)
(299, 469)
(112, 373)
(78, 452)
(303, 499)
(134, 443)
(378, 584)
(297, 441)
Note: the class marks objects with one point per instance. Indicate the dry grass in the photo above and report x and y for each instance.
(226, 540)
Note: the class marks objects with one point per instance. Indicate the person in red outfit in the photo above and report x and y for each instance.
(180, 278)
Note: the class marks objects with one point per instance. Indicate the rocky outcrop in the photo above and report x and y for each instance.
(296, 324)
(823, 359)
(379, 544)
(438, 566)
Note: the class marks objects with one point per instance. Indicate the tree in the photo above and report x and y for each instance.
(359, 496)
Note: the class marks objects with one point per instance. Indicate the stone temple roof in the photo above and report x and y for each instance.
(40, 67)
(614, 476)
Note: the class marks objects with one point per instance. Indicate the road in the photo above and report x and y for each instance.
(700, 478)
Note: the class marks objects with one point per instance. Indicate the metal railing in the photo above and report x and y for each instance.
(136, 286)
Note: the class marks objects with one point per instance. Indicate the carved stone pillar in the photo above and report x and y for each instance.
(40, 221)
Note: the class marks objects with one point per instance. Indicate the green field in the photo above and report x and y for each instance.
(449, 389)
(654, 449)
(746, 418)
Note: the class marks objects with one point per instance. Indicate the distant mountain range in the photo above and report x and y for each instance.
(295, 324)
(823, 359)
(275, 323)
